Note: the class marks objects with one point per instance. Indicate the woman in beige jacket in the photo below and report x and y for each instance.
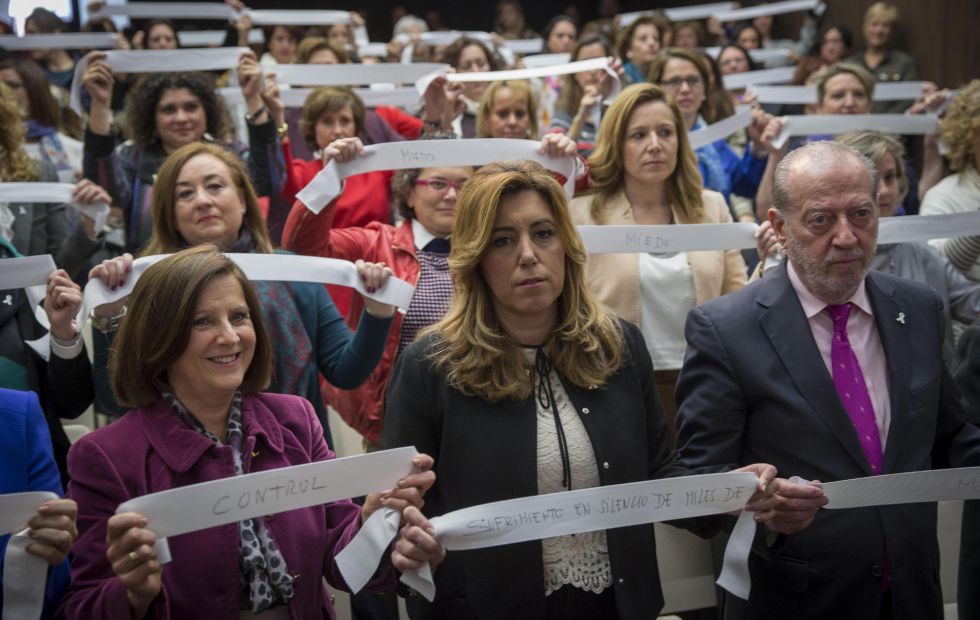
(644, 172)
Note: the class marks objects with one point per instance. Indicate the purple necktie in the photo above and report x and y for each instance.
(853, 392)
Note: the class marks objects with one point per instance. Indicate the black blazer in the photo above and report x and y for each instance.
(755, 388)
(485, 452)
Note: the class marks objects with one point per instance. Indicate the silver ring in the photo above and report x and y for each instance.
(133, 556)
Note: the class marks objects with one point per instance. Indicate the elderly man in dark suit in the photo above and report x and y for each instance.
(829, 372)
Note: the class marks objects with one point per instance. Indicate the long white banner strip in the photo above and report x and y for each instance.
(229, 500)
(207, 38)
(804, 95)
(359, 560)
(445, 37)
(372, 49)
(778, 75)
(525, 46)
(722, 129)
(26, 271)
(24, 575)
(60, 41)
(171, 10)
(940, 485)
(834, 124)
(631, 239)
(158, 61)
(774, 8)
(759, 55)
(328, 183)
(343, 75)
(679, 14)
(546, 60)
(298, 17)
(273, 267)
(401, 96)
(53, 192)
(578, 66)
(586, 510)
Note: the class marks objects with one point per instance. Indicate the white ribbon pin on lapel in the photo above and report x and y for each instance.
(901, 318)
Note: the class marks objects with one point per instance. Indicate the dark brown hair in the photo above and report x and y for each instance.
(44, 109)
(141, 107)
(166, 295)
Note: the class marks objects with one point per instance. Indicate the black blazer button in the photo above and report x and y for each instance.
(876, 571)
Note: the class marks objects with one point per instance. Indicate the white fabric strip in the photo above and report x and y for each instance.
(372, 49)
(779, 75)
(445, 37)
(348, 74)
(359, 560)
(774, 8)
(158, 61)
(298, 18)
(835, 124)
(60, 41)
(735, 575)
(401, 96)
(24, 575)
(586, 510)
(328, 183)
(913, 228)
(667, 238)
(53, 192)
(229, 500)
(26, 271)
(546, 60)
(804, 95)
(722, 129)
(208, 38)
(679, 14)
(759, 55)
(274, 267)
(525, 46)
(578, 66)
(170, 10)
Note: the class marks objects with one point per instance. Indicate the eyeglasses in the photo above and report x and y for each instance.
(440, 185)
(692, 81)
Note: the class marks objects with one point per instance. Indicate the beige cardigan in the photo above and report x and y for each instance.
(615, 278)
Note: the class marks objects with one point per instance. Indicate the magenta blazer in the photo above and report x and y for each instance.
(150, 450)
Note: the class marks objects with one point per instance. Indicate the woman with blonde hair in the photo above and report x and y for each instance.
(886, 63)
(508, 109)
(959, 131)
(530, 386)
(644, 172)
(203, 195)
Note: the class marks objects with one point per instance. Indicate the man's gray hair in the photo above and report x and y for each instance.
(782, 199)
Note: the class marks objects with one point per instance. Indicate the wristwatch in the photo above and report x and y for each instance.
(107, 325)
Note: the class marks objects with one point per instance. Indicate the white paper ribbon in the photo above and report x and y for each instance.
(759, 55)
(546, 60)
(26, 271)
(359, 560)
(444, 37)
(379, 50)
(158, 61)
(914, 228)
(272, 267)
(834, 124)
(208, 38)
(229, 500)
(630, 239)
(328, 183)
(579, 66)
(722, 129)
(400, 96)
(56, 193)
(778, 75)
(170, 10)
(298, 17)
(679, 14)
(60, 41)
(807, 95)
(24, 575)
(347, 74)
(525, 46)
(773, 8)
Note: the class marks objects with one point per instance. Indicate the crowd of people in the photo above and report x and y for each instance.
(524, 364)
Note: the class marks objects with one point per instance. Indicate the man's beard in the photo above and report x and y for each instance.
(832, 285)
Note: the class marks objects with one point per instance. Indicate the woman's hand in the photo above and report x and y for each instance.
(251, 82)
(416, 543)
(441, 106)
(113, 273)
(773, 127)
(61, 304)
(343, 150)
(98, 79)
(273, 100)
(760, 121)
(409, 491)
(374, 276)
(557, 145)
(766, 242)
(138, 37)
(87, 193)
(590, 97)
(133, 559)
(53, 531)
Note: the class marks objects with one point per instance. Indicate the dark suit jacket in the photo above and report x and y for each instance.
(755, 388)
(486, 452)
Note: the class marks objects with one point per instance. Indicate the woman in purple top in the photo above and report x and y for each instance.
(192, 357)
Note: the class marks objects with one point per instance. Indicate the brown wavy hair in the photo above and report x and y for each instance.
(329, 99)
(166, 238)
(959, 128)
(478, 356)
(606, 166)
(141, 106)
(15, 164)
